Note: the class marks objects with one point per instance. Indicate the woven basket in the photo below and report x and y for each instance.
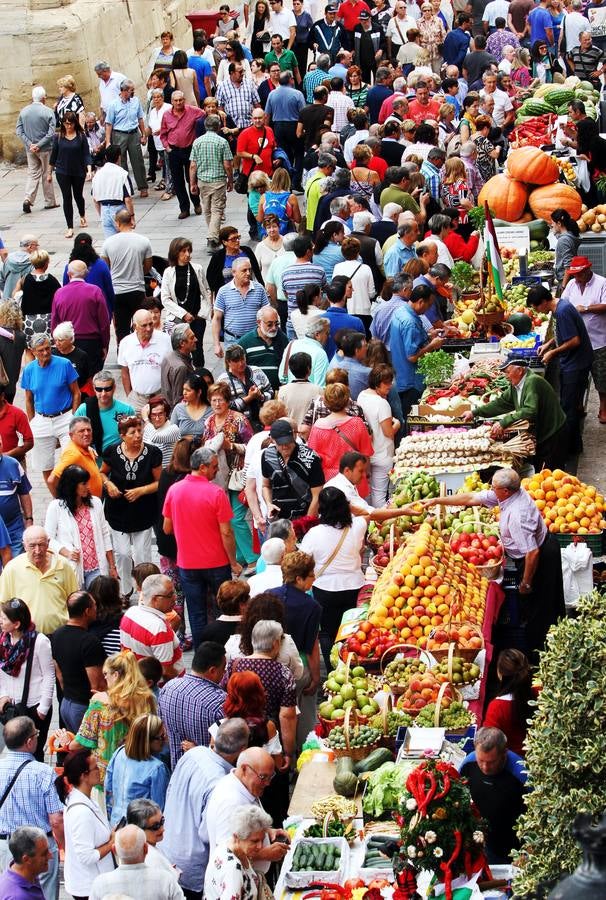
(415, 652)
(456, 695)
(467, 653)
(489, 571)
(355, 753)
(452, 652)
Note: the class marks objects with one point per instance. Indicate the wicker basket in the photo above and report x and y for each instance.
(490, 571)
(456, 695)
(467, 653)
(452, 652)
(355, 753)
(414, 651)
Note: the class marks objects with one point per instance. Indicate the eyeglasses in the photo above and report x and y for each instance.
(170, 594)
(264, 779)
(104, 390)
(156, 826)
(234, 237)
(34, 734)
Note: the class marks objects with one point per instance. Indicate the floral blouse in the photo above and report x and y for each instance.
(228, 879)
(101, 733)
(236, 429)
(432, 35)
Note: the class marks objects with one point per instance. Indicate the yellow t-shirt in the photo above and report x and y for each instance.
(44, 593)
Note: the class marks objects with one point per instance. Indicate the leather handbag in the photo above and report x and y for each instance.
(12, 710)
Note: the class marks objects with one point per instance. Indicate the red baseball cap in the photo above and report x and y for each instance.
(578, 264)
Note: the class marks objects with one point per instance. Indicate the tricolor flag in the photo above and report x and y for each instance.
(493, 255)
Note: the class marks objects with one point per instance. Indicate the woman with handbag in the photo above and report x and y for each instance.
(249, 385)
(336, 546)
(89, 841)
(228, 432)
(185, 294)
(27, 674)
(338, 433)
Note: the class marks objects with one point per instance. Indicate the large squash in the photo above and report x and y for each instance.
(532, 166)
(543, 201)
(506, 197)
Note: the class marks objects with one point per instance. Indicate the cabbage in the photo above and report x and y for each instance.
(385, 787)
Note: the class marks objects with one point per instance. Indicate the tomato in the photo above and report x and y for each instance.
(352, 883)
(360, 635)
(364, 650)
(353, 645)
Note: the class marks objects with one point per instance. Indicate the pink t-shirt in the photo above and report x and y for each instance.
(196, 507)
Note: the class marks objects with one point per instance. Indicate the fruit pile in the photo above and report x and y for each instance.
(346, 693)
(424, 587)
(396, 718)
(477, 548)
(567, 169)
(422, 691)
(452, 521)
(414, 487)
(364, 736)
(463, 672)
(371, 641)
(471, 484)
(592, 219)
(452, 715)
(399, 672)
(464, 636)
(568, 506)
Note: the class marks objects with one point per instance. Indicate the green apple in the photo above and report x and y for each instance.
(338, 714)
(326, 710)
(358, 672)
(340, 677)
(337, 701)
(360, 684)
(348, 692)
(367, 710)
(349, 704)
(333, 686)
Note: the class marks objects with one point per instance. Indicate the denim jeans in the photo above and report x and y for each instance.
(72, 714)
(89, 577)
(108, 219)
(198, 586)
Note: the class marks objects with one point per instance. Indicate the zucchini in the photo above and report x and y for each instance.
(373, 761)
(345, 781)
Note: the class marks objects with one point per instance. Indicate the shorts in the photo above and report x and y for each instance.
(598, 370)
(46, 434)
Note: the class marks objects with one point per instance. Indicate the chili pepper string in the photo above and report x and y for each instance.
(447, 866)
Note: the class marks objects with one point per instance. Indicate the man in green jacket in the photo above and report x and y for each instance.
(529, 397)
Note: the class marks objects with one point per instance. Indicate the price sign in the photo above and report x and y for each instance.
(518, 236)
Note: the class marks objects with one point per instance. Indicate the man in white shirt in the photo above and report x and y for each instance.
(272, 553)
(352, 468)
(503, 112)
(243, 786)
(574, 24)
(282, 22)
(132, 877)
(109, 86)
(112, 190)
(140, 357)
(494, 10)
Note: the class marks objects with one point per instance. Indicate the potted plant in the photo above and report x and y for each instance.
(463, 277)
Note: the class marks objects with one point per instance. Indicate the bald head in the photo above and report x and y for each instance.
(255, 769)
(34, 534)
(77, 269)
(131, 845)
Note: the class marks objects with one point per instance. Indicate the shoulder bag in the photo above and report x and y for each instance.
(12, 710)
(11, 783)
(334, 553)
(345, 438)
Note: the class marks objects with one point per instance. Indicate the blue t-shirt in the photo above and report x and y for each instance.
(50, 384)
(13, 484)
(406, 338)
(356, 373)
(375, 98)
(5, 538)
(339, 318)
(539, 20)
(569, 324)
(203, 70)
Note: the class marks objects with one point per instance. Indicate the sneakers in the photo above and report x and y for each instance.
(27, 207)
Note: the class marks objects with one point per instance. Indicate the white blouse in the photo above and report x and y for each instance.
(42, 679)
(345, 571)
(86, 828)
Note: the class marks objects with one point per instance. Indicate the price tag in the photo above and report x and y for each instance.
(517, 236)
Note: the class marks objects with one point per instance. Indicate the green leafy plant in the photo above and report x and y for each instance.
(437, 367)
(463, 275)
(477, 217)
(566, 749)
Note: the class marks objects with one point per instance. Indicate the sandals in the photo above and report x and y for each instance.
(161, 186)
(83, 222)
(69, 233)
(167, 196)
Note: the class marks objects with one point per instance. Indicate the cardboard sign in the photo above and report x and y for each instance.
(517, 236)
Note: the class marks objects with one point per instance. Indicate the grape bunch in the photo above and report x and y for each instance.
(397, 718)
(456, 716)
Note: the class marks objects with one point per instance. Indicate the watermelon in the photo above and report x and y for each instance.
(586, 86)
(546, 89)
(560, 97)
(534, 107)
(522, 324)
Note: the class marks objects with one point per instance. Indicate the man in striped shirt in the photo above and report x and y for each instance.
(237, 304)
(145, 631)
(301, 273)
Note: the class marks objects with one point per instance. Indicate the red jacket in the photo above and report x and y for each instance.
(459, 247)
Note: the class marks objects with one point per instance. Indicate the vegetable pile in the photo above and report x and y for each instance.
(364, 736)
(436, 367)
(454, 450)
(375, 857)
(310, 857)
(384, 789)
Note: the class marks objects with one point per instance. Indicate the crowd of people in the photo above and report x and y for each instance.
(255, 484)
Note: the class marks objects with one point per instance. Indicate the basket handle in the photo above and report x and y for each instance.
(347, 726)
(443, 688)
(392, 533)
(387, 708)
(451, 650)
(330, 815)
(348, 660)
(396, 647)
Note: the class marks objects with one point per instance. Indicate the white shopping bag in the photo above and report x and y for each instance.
(577, 572)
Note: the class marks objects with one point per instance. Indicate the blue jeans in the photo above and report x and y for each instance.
(89, 577)
(107, 219)
(72, 714)
(198, 586)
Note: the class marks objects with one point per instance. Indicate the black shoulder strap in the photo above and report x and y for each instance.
(28, 672)
(13, 780)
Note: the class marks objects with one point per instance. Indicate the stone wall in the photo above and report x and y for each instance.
(41, 40)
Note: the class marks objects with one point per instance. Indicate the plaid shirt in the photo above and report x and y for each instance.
(33, 797)
(239, 389)
(340, 102)
(432, 179)
(188, 707)
(311, 82)
(238, 100)
(209, 152)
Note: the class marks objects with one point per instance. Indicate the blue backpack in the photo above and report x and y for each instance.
(275, 205)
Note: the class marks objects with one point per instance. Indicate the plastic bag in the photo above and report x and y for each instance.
(461, 366)
(577, 572)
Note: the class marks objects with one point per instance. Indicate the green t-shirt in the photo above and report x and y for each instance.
(109, 423)
(287, 60)
(393, 194)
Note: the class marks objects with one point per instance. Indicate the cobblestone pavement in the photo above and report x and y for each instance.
(158, 221)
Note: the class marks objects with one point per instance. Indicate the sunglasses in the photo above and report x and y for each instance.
(156, 826)
(104, 390)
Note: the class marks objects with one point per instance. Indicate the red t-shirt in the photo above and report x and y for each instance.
(13, 422)
(500, 715)
(248, 142)
(377, 164)
(197, 507)
(419, 113)
(350, 13)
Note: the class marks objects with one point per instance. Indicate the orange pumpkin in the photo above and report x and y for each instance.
(543, 201)
(506, 197)
(527, 217)
(532, 166)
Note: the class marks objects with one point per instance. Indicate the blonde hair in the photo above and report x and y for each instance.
(39, 259)
(336, 397)
(362, 153)
(258, 181)
(446, 108)
(10, 315)
(454, 168)
(68, 81)
(130, 696)
(280, 180)
(140, 735)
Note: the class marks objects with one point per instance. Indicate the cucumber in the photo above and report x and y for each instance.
(373, 761)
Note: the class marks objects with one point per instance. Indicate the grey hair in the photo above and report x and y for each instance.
(38, 340)
(265, 634)
(135, 841)
(63, 331)
(280, 528)
(212, 123)
(102, 66)
(140, 811)
(248, 819)
(391, 209)
(507, 478)
(399, 101)
(272, 551)
(239, 262)
(323, 62)
(373, 141)
(126, 83)
(104, 375)
(232, 737)
(339, 204)
(38, 93)
(157, 91)
(468, 149)
(315, 327)
(441, 271)
(362, 219)
(289, 239)
(399, 83)
(326, 159)
(178, 334)
(23, 840)
(203, 456)
(577, 4)
(77, 266)
(488, 739)
(76, 421)
(382, 74)
(400, 281)
(152, 585)
(28, 239)
(405, 229)
(342, 178)
(438, 222)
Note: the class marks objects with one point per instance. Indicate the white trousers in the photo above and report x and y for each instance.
(379, 482)
(130, 549)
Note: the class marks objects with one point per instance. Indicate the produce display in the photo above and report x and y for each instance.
(452, 716)
(363, 736)
(335, 828)
(533, 131)
(384, 789)
(399, 672)
(593, 219)
(464, 636)
(423, 691)
(396, 718)
(436, 367)
(415, 486)
(568, 506)
(347, 690)
(316, 857)
(375, 857)
(344, 809)
(346, 781)
(454, 450)
(458, 671)
(478, 548)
